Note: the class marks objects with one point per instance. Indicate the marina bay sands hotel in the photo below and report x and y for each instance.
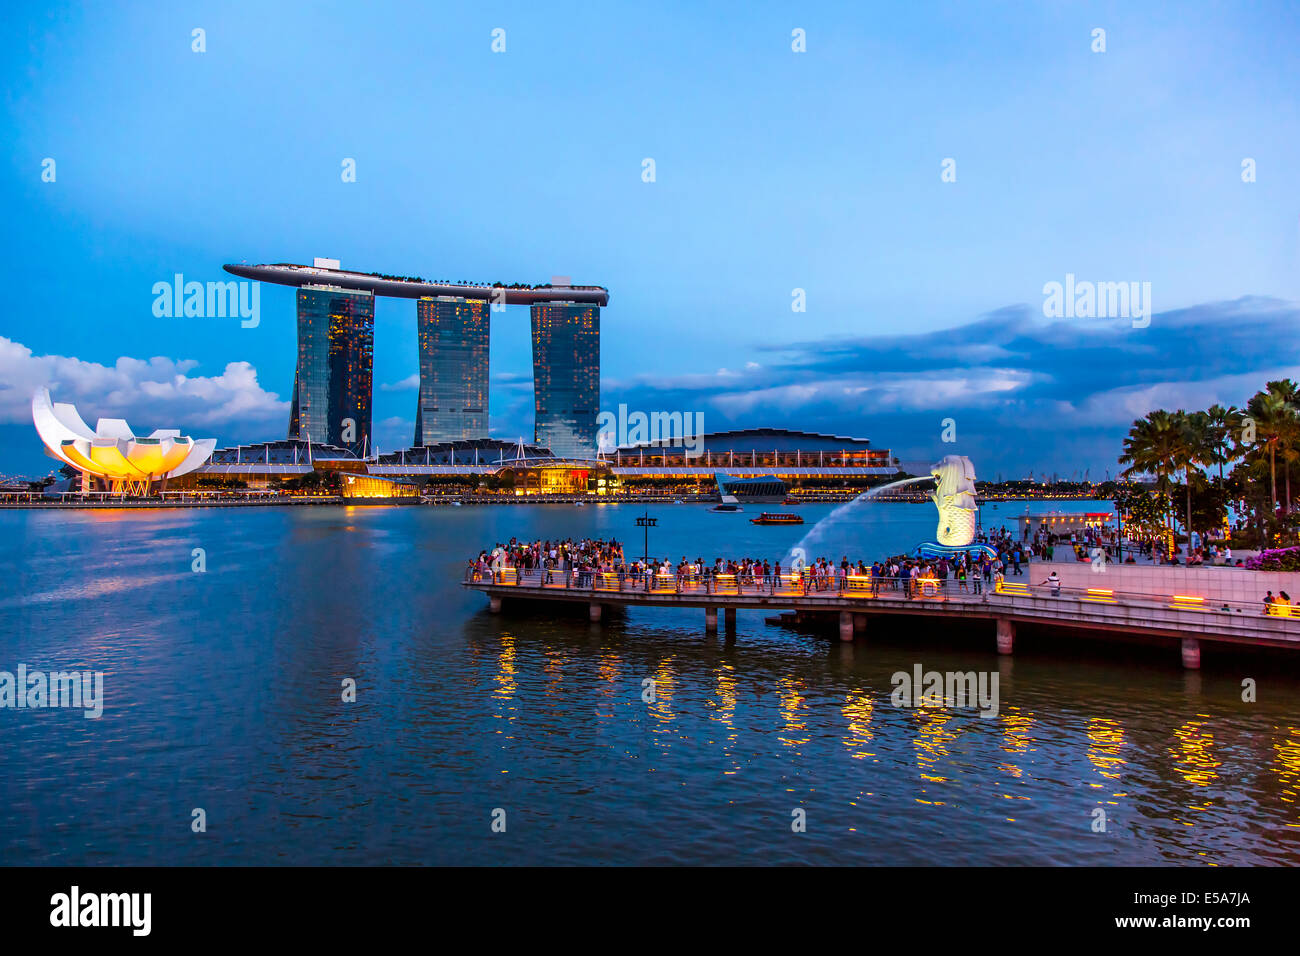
(333, 384)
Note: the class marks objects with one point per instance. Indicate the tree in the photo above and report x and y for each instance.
(1273, 412)
(1141, 507)
(1222, 424)
(1153, 446)
(1210, 503)
(1194, 446)
(1285, 389)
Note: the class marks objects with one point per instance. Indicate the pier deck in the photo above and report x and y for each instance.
(1187, 619)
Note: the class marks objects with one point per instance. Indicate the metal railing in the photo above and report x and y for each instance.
(723, 584)
(853, 587)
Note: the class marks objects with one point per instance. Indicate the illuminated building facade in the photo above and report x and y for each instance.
(112, 458)
(332, 384)
(359, 487)
(771, 449)
(566, 377)
(332, 387)
(453, 338)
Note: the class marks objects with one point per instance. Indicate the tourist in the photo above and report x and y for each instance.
(1268, 602)
(1054, 580)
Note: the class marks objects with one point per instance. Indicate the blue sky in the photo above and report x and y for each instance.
(775, 170)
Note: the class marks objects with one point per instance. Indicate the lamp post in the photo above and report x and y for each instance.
(646, 522)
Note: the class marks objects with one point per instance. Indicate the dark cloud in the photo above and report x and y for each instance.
(1026, 393)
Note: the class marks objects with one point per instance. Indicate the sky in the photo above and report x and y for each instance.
(920, 171)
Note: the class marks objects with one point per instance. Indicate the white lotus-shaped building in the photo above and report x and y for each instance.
(112, 452)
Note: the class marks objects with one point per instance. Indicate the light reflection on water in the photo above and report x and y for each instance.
(223, 691)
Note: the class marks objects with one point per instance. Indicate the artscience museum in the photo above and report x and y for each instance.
(112, 458)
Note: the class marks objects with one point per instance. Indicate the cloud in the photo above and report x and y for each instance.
(411, 381)
(149, 393)
(1025, 392)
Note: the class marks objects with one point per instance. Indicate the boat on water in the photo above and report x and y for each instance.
(790, 500)
(777, 517)
(580, 504)
(727, 509)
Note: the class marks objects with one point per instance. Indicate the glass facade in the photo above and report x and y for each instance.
(453, 401)
(566, 377)
(332, 385)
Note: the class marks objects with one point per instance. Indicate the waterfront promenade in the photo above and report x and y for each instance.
(1182, 620)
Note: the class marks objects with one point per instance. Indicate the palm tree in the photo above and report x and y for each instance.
(1193, 445)
(1286, 390)
(1274, 413)
(1153, 447)
(1223, 423)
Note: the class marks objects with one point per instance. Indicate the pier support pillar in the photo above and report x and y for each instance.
(729, 618)
(846, 626)
(711, 620)
(1191, 653)
(494, 603)
(594, 611)
(1006, 635)
(859, 624)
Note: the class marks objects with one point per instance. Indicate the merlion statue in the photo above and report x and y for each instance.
(954, 496)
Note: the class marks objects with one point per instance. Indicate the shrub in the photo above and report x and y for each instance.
(1276, 559)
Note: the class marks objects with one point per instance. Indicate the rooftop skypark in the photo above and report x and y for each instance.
(327, 272)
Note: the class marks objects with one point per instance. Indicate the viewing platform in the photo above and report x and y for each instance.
(1182, 619)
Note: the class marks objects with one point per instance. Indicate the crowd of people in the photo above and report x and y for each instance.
(971, 572)
(1108, 544)
(593, 555)
(587, 557)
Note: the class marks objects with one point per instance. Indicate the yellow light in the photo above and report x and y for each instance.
(1100, 596)
(664, 584)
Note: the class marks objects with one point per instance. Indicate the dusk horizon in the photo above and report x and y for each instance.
(939, 214)
(871, 388)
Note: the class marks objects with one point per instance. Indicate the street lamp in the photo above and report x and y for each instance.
(646, 522)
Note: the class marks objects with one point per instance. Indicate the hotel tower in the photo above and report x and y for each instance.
(566, 377)
(336, 334)
(332, 384)
(453, 338)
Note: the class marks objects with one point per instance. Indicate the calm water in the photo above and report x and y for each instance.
(223, 692)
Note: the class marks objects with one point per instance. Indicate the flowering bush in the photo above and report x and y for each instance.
(1276, 559)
